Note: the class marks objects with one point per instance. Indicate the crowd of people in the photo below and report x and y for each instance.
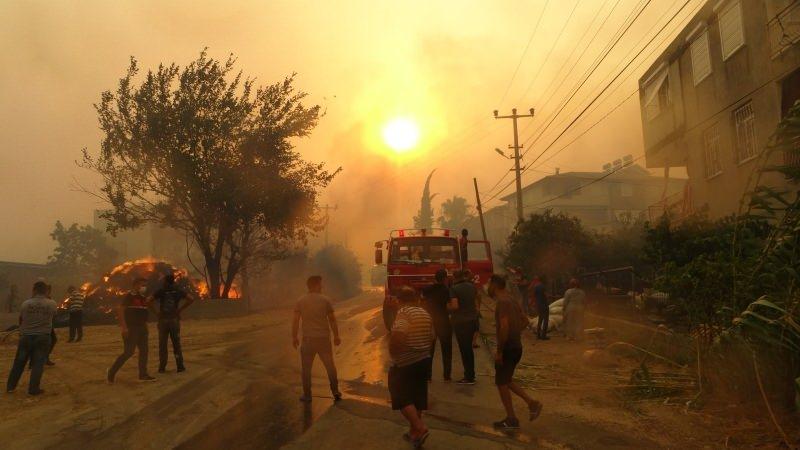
(438, 313)
(38, 337)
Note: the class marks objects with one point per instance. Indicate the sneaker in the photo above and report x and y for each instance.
(10, 391)
(162, 369)
(109, 377)
(466, 381)
(507, 424)
(337, 396)
(447, 379)
(181, 369)
(50, 363)
(37, 392)
(305, 399)
(147, 378)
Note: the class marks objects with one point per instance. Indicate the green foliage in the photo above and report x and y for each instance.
(455, 213)
(203, 150)
(619, 247)
(340, 271)
(697, 268)
(550, 244)
(81, 251)
(424, 217)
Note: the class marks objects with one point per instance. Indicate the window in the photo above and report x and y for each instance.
(713, 165)
(656, 94)
(744, 122)
(731, 32)
(701, 59)
(420, 250)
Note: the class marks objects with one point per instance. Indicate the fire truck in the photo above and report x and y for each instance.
(414, 256)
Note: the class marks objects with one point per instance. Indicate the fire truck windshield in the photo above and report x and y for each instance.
(420, 250)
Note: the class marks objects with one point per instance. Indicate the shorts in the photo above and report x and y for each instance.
(504, 373)
(408, 385)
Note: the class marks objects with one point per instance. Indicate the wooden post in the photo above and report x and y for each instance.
(480, 209)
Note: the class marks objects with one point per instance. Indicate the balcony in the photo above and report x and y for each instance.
(784, 29)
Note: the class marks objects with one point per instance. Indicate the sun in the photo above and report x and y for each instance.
(401, 134)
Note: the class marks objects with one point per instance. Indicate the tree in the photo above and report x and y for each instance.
(80, 250)
(424, 217)
(455, 213)
(548, 244)
(204, 151)
(340, 271)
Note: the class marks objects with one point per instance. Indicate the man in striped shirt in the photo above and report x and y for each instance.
(75, 309)
(410, 348)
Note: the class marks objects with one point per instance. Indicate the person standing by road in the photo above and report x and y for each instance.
(539, 296)
(574, 304)
(169, 299)
(410, 348)
(315, 312)
(75, 301)
(463, 247)
(132, 316)
(464, 316)
(510, 321)
(35, 325)
(436, 298)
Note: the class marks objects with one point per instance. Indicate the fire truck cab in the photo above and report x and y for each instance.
(414, 256)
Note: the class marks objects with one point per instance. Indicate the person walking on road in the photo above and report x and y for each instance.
(132, 316)
(510, 321)
(464, 316)
(75, 301)
(169, 299)
(539, 296)
(574, 305)
(436, 298)
(315, 312)
(35, 327)
(410, 348)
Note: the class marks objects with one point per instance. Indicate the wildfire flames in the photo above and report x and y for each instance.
(106, 294)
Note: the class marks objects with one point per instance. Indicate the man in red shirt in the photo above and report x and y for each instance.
(132, 315)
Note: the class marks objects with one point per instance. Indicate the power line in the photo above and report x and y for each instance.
(610, 83)
(596, 180)
(598, 61)
(524, 52)
(626, 99)
(550, 52)
(622, 62)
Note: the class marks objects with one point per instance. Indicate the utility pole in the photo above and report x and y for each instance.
(514, 116)
(480, 209)
(328, 218)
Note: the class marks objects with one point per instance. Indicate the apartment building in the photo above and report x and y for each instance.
(713, 98)
(601, 200)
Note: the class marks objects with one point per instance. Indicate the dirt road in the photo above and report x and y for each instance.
(242, 386)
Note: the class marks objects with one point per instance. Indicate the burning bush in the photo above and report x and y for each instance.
(105, 295)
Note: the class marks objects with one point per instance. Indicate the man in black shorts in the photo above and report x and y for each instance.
(510, 321)
(410, 348)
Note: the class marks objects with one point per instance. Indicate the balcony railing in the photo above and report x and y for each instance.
(784, 29)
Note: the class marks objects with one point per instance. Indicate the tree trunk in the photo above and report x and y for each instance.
(214, 271)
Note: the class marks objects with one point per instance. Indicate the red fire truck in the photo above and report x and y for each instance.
(414, 256)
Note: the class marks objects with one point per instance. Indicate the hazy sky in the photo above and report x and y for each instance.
(444, 64)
